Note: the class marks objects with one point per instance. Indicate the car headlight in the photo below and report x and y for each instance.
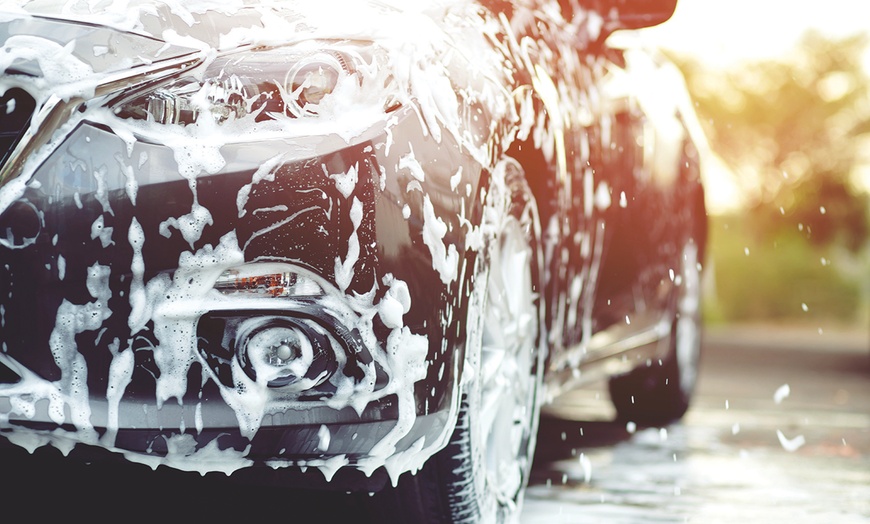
(267, 84)
(310, 80)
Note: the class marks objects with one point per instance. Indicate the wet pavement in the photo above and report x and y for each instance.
(740, 454)
(724, 463)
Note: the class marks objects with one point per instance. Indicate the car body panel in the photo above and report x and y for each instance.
(117, 231)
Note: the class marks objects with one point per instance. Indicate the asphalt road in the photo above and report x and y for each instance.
(724, 463)
(749, 450)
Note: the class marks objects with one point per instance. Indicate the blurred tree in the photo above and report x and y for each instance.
(793, 131)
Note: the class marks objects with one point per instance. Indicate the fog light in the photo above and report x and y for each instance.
(283, 354)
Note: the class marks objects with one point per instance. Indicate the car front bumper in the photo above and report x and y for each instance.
(108, 266)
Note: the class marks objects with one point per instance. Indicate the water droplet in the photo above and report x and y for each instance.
(790, 445)
(587, 468)
(782, 392)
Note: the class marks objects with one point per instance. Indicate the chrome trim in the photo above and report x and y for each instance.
(610, 352)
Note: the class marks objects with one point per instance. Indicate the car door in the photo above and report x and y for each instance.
(640, 155)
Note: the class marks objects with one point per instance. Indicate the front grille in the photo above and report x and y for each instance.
(16, 110)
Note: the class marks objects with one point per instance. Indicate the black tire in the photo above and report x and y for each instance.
(469, 480)
(660, 393)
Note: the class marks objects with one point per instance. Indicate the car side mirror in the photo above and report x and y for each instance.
(620, 14)
(613, 15)
(633, 14)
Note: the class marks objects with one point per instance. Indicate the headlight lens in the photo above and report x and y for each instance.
(310, 80)
(267, 84)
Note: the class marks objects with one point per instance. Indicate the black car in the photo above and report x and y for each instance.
(354, 243)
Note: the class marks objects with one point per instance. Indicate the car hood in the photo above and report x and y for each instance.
(144, 31)
(32, 41)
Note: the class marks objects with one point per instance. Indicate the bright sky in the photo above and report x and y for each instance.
(722, 33)
(725, 31)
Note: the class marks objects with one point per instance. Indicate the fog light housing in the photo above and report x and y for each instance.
(285, 354)
(274, 325)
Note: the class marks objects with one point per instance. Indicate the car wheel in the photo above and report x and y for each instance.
(481, 474)
(659, 393)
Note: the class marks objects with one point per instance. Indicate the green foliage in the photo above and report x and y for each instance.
(829, 211)
(793, 132)
(773, 278)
